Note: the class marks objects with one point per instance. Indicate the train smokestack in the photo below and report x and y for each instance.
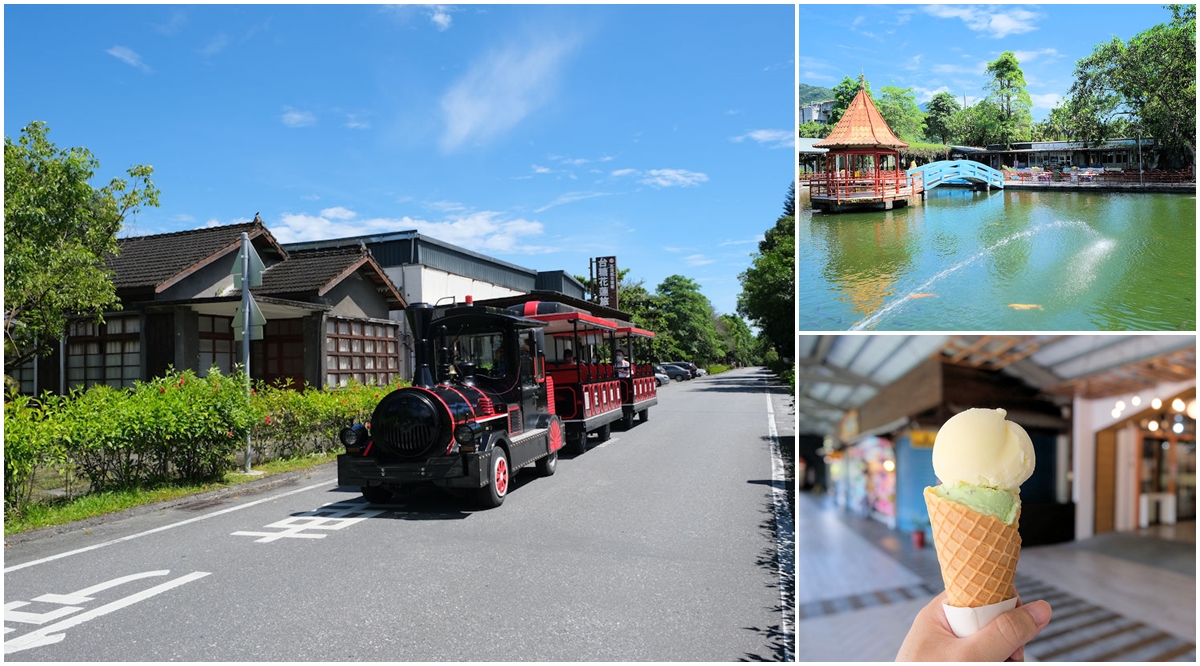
(420, 319)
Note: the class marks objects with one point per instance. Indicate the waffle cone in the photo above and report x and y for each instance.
(978, 553)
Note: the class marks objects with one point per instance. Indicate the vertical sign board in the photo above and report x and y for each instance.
(606, 281)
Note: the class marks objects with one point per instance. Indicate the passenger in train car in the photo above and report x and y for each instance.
(568, 357)
(621, 364)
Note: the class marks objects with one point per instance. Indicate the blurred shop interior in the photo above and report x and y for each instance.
(1112, 419)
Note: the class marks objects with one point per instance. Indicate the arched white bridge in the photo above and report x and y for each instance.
(938, 173)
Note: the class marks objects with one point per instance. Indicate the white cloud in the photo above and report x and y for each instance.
(296, 118)
(1046, 101)
(769, 138)
(624, 172)
(913, 63)
(339, 213)
(673, 249)
(978, 68)
(440, 16)
(926, 94)
(354, 121)
(1029, 56)
(215, 46)
(311, 197)
(129, 57)
(698, 260)
(182, 217)
(571, 197)
(173, 25)
(674, 178)
(996, 24)
(501, 89)
(447, 206)
(540, 169)
(484, 231)
(756, 239)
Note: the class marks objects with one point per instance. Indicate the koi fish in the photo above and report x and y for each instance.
(1025, 306)
(922, 295)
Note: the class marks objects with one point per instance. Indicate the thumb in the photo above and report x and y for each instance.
(1009, 632)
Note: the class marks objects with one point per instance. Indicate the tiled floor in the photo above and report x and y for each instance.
(861, 584)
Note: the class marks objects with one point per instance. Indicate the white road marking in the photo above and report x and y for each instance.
(785, 533)
(165, 527)
(332, 516)
(48, 635)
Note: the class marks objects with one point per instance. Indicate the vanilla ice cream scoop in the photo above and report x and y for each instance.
(979, 447)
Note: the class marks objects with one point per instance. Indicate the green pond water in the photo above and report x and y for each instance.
(962, 260)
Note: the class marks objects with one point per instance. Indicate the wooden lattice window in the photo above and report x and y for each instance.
(216, 344)
(108, 353)
(364, 351)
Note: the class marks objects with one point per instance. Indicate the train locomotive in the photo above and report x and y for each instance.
(481, 407)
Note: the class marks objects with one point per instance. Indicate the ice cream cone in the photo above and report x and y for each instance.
(978, 553)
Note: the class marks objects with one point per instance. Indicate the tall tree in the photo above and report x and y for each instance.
(688, 316)
(1150, 82)
(976, 125)
(57, 231)
(843, 94)
(899, 109)
(738, 339)
(1007, 87)
(938, 113)
(768, 297)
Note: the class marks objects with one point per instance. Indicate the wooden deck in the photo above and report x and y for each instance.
(839, 193)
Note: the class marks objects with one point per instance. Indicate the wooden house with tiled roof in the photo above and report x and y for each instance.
(862, 167)
(327, 312)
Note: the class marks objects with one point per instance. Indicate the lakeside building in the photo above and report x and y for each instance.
(1111, 154)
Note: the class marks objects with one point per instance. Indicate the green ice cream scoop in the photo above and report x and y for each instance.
(991, 501)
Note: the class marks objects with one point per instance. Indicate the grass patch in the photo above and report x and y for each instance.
(61, 512)
(717, 369)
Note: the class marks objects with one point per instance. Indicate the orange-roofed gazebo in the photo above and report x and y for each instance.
(863, 166)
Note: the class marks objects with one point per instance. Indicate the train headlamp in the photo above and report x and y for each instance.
(467, 432)
(351, 436)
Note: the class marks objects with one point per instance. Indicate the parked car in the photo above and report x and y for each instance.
(676, 371)
(689, 366)
(661, 375)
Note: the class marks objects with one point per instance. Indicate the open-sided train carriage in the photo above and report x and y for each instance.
(587, 396)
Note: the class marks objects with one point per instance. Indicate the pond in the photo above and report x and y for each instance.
(1002, 261)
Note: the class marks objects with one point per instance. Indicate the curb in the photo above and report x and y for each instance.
(245, 488)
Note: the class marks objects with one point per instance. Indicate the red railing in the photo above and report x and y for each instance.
(1099, 177)
(882, 185)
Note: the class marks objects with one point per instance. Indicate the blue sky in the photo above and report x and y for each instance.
(542, 135)
(934, 48)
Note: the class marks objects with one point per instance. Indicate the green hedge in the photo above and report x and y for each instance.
(180, 427)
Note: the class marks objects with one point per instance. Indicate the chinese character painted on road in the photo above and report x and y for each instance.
(335, 516)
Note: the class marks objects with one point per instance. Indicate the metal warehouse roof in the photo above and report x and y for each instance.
(838, 373)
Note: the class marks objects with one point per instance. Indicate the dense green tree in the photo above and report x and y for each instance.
(898, 106)
(844, 93)
(57, 231)
(688, 317)
(938, 113)
(1007, 88)
(768, 297)
(814, 130)
(740, 344)
(976, 125)
(1149, 82)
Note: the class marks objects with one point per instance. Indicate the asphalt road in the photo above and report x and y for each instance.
(657, 545)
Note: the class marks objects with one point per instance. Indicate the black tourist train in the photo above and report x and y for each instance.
(486, 401)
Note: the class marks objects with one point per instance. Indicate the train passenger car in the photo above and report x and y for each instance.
(639, 387)
(587, 395)
(480, 408)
